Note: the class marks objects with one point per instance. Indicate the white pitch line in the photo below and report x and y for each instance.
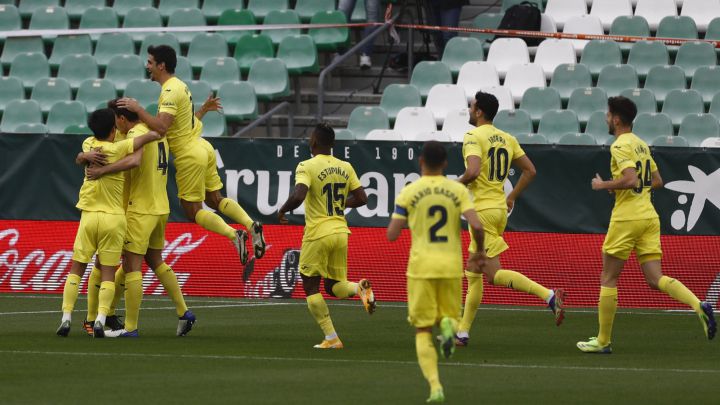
(365, 361)
(160, 308)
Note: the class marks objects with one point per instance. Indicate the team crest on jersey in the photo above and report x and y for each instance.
(702, 188)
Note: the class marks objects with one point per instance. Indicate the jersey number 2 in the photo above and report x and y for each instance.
(162, 158)
(434, 237)
(333, 193)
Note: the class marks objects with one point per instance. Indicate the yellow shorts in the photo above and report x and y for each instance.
(197, 171)
(325, 257)
(145, 231)
(642, 235)
(494, 221)
(102, 233)
(431, 299)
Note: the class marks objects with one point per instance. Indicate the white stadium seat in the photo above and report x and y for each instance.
(456, 124)
(563, 10)
(523, 77)
(430, 136)
(383, 135)
(552, 53)
(702, 11)
(474, 76)
(412, 121)
(584, 24)
(608, 10)
(655, 10)
(443, 98)
(505, 52)
(710, 142)
(503, 95)
(547, 23)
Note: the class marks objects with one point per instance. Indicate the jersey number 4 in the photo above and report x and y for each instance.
(333, 193)
(432, 212)
(499, 164)
(162, 158)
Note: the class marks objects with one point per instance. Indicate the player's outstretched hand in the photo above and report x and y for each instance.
(156, 136)
(212, 103)
(597, 182)
(95, 157)
(281, 217)
(94, 172)
(129, 104)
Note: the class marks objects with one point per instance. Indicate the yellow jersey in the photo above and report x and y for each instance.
(329, 181)
(148, 182)
(176, 100)
(433, 206)
(629, 151)
(496, 150)
(106, 193)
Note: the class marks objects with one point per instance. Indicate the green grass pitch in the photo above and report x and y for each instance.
(260, 352)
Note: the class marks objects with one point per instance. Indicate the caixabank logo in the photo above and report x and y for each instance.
(696, 193)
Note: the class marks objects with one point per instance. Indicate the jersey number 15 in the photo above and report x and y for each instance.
(333, 193)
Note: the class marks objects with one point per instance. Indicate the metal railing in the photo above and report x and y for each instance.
(266, 117)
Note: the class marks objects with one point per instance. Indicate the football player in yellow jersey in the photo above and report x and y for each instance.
(328, 186)
(432, 206)
(634, 226)
(197, 177)
(488, 154)
(102, 220)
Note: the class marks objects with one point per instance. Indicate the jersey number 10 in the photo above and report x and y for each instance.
(499, 164)
(333, 193)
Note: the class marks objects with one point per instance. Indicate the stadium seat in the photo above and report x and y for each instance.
(671, 141)
(186, 17)
(506, 52)
(414, 120)
(677, 27)
(701, 11)
(597, 126)
(344, 135)
(68, 45)
(142, 17)
(663, 79)
(631, 26)
(212, 9)
(568, 77)
(646, 54)
(78, 68)
(183, 70)
(460, 50)
(584, 24)
(586, 101)
(123, 7)
(34, 128)
(281, 17)
(456, 124)
(655, 10)
(144, 91)
(506, 4)
(486, 21)
(538, 100)
(306, 9)
(616, 78)
(563, 10)
(444, 98)
(713, 29)
(383, 135)
(600, 53)
(9, 19)
(261, 8)
(522, 77)
(78, 130)
(122, 69)
(608, 10)
(111, 44)
(475, 76)
(427, 74)
(28, 7)
(95, 92)
(359, 14)
(47, 91)
(397, 96)
(707, 82)
(329, 39)
(11, 88)
(694, 55)
(364, 119)
(710, 143)
(428, 136)
(19, 112)
(552, 53)
(158, 39)
(199, 89)
(299, 54)
(217, 71)
(648, 126)
(214, 125)
(531, 139)
(30, 67)
(50, 18)
(696, 127)
(235, 17)
(238, 100)
(65, 113)
(577, 139)
(17, 45)
(679, 103)
(555, 124)
(503, 96)
(167, 7)
(513, 122)
(102, 17)
(270, 79)
(204, 47)
(251, 47)
(644, 99)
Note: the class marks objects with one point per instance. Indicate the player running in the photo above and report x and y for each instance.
(432, 206)
(197, 177)
(328, 186)
(634, 225)
(488, 154)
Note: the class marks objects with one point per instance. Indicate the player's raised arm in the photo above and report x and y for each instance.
(93, 156)
(129, 162)
(294, 200)
(159, 123)
(528, 175)
(211, 104)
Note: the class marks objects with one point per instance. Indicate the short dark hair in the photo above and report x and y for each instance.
(164, 54)
(101, 122)
(324, 134)
(488, 104)
(122, 112)
(434, 154)
(623, 108)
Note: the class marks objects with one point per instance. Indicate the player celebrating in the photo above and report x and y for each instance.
(634, 225)
(197, 177)
(328, 186)
(488, 153)
(102, 220)
(433, 205)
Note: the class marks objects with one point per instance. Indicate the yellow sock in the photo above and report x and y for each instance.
(70, 292)
(679, 292)
(518, 282)
(213, 223)
(345, 289)
(119, 289)
(319, 310)
(473, 297)
(167, 277)
(428, 359)
(133, 298)
(105, 297)
(234, 211)
(606, 313)
(92, 293)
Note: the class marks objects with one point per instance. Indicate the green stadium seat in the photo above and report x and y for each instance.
(671, 141)
(30, 67)
(251, 47)
(680, 103)
(144, 91)
(28, 7)
(330, 39)
(111, 44)
(103, 17)
(646, 54)
(677, 27)
(123, 7)
(54, 18)
(586, 101)
(140, 17)
(239, 101)
(200, 90)
(183, 70)
(344, 135)
(555, 124)
(649, 126)
(77, 68)
(597, 125)
(460, 50)
(600, 53)
(78, 130)
(396, 96)
(122, 69)
(616, 78)
(359, 14)
(694, 55)
(514, 122)
(212, 9)
(270, 79)
(536, 101)
(577, 139)
(217, 71)
(236, 17)
(306, 9)
(16, 46)
(50, 90)
(9, 19)
(34, 128)
(261, 8)
(206, 46)
(707, 82)
(158, 39)
(568, 77)
(715, 105)
(186, 17)
(427, 74)
(76, 8)
(713, 30)
(531, 139)
(69, 45)
(281, 17)
(663, 79)
(644, 99)
(486, 21)
(11, 88)
(95, 92)
(65, 113)
(299, 54)
(365, 119)
(19, 112)
(628, 25)
(167, 7)
(214, 125)
(696, 127)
